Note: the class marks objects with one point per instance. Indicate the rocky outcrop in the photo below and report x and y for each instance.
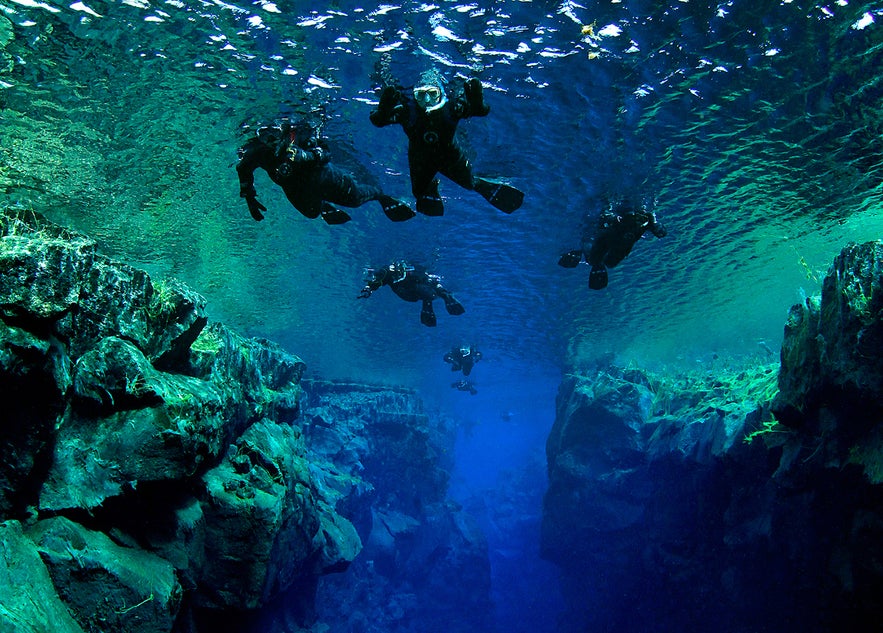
(832, 366)
(151, 474)
(725, 500)
(631, 515)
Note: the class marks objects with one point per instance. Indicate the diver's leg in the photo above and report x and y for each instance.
(427, 314)
(309, 206)
(341, 187)
(618, 253)
(598, 277)
(424, 184)
(451, 304)
(457, 167)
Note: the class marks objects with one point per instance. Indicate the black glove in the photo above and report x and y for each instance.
(255, 208)
(387, 108)
(658, 228)
(322, 156)
(366, 292)
(475, 96)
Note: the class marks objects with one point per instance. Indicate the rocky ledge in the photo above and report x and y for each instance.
(730, 500)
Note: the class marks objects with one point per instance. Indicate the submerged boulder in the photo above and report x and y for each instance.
(29, 599)
(264, 522)
(109, 586)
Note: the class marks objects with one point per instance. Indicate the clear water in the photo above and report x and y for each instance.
(756, 124)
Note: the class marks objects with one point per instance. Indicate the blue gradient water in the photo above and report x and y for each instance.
(755, 124)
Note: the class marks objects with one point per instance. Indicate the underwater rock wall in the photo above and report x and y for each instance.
(425, 565)
(726, 500)
(162, 473)
(151, 476)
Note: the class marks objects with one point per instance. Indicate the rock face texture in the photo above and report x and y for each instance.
(425, 565)
(730, 501)
(160, 473)
(149, 460)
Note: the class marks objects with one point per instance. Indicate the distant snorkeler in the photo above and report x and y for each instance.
(296, 157)
(463, 358)
(465, 385)
(412, 283)
(617, 230)
(429, 116)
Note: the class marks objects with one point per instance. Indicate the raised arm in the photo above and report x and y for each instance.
(389, 109)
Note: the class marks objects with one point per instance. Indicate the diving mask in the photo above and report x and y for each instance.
(429, 97)
(400, 270)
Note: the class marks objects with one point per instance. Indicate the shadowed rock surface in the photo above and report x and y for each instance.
(425, 565)
(715, 501)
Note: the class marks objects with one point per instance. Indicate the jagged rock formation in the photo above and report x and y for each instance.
(686, 505)
(148, 459)
(832, 365)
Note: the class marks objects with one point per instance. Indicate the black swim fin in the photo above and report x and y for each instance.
(504, 197)
(454, 307)
(427, 317)
(430, 202)
(570, 259)
(598, 278)
(333, 215)
(396, 210)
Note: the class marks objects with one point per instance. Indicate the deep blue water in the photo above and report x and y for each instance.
(756, 125)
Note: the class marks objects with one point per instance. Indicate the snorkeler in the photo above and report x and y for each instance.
(297, 159)
(465, 385)
(429, 117)
(463, 358)
(617, 230)
(412, 283)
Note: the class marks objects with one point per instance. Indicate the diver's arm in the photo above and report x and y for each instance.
(370, 286)
(471, 101)
(389, 108)
(249, 160)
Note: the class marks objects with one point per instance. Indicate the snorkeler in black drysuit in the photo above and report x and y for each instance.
(412, 283)
(463, 358)
(618, 229)
(429, 118)
(297, 159)
(465, 385)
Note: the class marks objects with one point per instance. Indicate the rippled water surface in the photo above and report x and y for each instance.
(757, 126)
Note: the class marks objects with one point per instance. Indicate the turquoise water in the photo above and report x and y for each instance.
(756, 125)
